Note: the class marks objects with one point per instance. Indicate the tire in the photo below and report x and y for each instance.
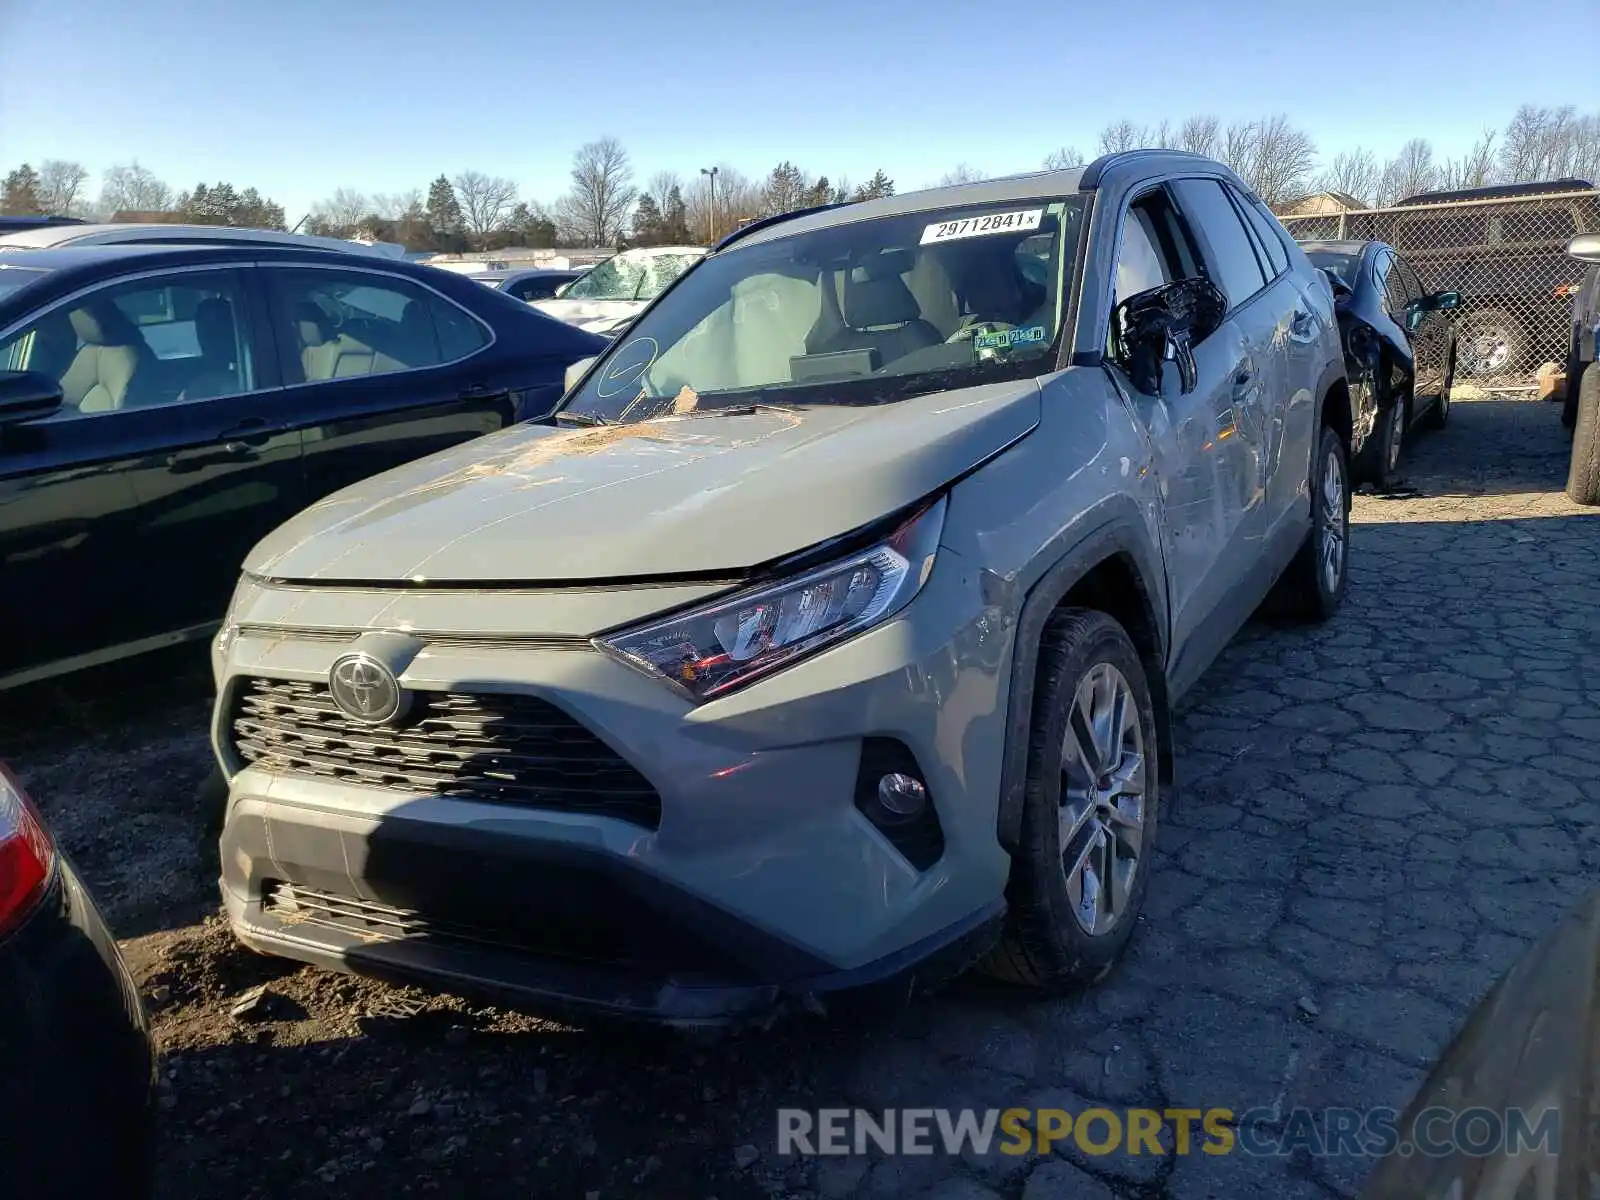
(1496, 343)
(1438, 414)
(1583, 476)
(1062, 929)
(1392, 425)
(1569, 402)
(1315, 583)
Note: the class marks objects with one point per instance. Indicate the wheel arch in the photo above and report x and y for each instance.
(1116, 570)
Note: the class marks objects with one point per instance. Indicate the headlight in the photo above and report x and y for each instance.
(711, 650)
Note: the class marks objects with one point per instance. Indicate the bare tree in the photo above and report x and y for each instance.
(1410, 171)
(1123, 135)
(60, 185)
(1200, 135)
(737, 199)
(661, 186)
(1476, 168)
(392, 206)
(960, 173)
(1270, 155)
(131, 188)
(600, 202)
(1355, 173)
(340, 213)
(485, 200)
(1063, 157)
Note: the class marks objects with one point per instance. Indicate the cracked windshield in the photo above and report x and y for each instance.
(598, 615)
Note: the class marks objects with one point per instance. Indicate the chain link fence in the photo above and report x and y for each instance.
(1506, 256)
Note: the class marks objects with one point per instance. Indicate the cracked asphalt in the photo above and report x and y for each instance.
(1377, 817)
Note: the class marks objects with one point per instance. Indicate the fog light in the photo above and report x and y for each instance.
(901, 794)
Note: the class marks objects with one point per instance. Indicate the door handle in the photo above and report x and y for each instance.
(252, 431)
(482, 391)
(188, 462)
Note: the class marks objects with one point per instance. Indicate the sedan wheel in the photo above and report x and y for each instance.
(1333, 521)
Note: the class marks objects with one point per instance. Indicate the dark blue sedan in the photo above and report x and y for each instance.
(162, 408)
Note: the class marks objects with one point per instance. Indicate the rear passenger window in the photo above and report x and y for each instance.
(1229, 254)
(1267, 232)
(459, 333)
(348, 324)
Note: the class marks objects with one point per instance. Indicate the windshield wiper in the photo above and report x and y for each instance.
(578, 418)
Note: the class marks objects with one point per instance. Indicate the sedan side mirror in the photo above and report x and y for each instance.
(1164, 325)
(1585, 247)
(27, 396)
(577, 371)
(1445, 300)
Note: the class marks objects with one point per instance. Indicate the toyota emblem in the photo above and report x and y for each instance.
(365, 690)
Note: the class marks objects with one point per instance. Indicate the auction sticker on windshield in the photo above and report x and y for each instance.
(1010, 222)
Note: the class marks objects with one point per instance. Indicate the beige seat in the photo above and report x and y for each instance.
(111, 354)
(318, 354)
(214, 330)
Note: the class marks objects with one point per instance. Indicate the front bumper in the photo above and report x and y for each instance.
(763, 884)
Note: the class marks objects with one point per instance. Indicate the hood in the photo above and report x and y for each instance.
(681, 495)
(593, 316)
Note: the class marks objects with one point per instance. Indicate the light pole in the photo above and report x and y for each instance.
(711, 174)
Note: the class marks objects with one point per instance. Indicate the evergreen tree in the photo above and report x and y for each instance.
(20, 194)
(444, 210)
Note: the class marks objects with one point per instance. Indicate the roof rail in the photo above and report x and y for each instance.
(1092, 173)
(764, 222)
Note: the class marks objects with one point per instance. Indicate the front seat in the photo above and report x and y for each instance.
(214, 330)
(882, 314)
(318, 354)
(110, 355)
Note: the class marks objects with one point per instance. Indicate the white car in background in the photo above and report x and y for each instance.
(616, 291)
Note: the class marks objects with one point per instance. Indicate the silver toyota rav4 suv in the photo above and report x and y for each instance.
(826, 640)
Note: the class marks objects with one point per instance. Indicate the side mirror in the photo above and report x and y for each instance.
(1585, 247)
(27, 396)
(577, 371)
(1163, 325)
(1445, 300)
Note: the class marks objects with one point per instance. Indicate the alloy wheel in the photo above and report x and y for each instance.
(1102, 816)
(1332, 531)
(1397, 433)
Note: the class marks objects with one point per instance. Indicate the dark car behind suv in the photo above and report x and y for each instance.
(163, 407)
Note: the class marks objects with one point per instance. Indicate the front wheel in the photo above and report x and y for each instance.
(1316, 580)
(1495, 343)
(1089, 809)
(1583, 476)
(1439, 414)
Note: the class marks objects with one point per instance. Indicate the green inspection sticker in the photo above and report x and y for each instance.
(1002, 339)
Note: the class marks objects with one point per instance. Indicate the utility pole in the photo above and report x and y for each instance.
(711, 174)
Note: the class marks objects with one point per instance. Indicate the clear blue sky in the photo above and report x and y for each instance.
(299, 97)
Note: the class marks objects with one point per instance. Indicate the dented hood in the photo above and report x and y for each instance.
(694, 494)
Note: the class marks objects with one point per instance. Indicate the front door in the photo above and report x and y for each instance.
(379, 371)
(127, 513)
(1203, 453)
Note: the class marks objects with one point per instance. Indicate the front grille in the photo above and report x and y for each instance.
(504, 749)
(373, 922)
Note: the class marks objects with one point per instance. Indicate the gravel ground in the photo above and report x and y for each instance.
(1378, 816)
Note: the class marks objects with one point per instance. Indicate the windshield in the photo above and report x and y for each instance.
(1342, 266)
(14, 278)
(859, 313)
(630, 277)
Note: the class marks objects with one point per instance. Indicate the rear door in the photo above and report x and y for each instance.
(380, 370)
